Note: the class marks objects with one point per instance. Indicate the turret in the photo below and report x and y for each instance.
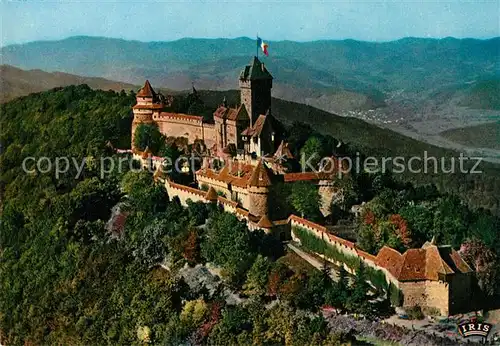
(258, 190)
(147, 104)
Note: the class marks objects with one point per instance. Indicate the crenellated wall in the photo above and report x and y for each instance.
(190, 127)
(448, 297)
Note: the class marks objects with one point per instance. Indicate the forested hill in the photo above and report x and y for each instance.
(64, 281)
(15, 82)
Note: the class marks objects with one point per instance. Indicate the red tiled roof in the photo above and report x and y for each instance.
(366, 255)
(247, 132)
(301, 176)
(283, 151)
(260, 176)
(264, 222)
(230, 113)
(220, 112)
(258, 125)
(211, 194)
(146, 90)
(416, 266)
(236, 173)
(307, 223)
(242, 212)
(389, 259)
(207, 172)
(426, 263)
(459, 262)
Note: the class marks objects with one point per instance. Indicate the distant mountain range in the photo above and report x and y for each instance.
(15, 82)
(337, 76)
(418, 87)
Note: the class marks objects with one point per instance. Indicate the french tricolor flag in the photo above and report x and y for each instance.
(263, 45)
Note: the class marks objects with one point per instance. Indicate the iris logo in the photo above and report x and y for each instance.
(473, 328)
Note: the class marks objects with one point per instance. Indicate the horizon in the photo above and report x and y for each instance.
(147, 21)
(253, 39)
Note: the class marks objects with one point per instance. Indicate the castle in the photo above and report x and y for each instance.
(432, 277)
(245, 129)
(244, 136)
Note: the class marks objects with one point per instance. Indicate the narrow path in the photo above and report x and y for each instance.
(312, 260)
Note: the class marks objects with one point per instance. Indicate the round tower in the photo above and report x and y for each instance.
(258, 190)
(144, 108)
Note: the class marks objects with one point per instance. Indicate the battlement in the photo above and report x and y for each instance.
(179, 117)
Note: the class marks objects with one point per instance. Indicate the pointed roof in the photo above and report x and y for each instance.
(264, 222)
(257, 128)
(211, 195)
(146, 90)
(260, 176)
(283, 151)
(255, 71)
(231, 113)
(146, 153)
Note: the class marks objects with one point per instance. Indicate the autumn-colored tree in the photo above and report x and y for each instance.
(276, 278)
(369, 218)
(192, 248)
(213, 318)
(402, 229)
(485, 262)
(291, 287)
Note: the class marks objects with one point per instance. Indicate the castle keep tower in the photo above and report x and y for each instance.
(255, 85)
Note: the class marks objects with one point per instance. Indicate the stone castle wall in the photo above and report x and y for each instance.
(447, 298)
(426, 294)
(346, 247)
(257, 198)
(184, 193)
(172, 127)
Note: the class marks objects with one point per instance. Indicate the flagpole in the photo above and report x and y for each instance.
(257, 44)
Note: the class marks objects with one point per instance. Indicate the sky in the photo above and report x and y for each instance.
(144, 20)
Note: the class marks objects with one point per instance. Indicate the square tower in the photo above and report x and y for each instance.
(255, 85)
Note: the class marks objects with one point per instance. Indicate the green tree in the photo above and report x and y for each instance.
(194, 313)
(358, 300)
(233, 328)
(198, 212)
(149, 245)
(305, 199)
(143, 193)
(148, 136)
(257, 276)
(312, 151)
(228, 243)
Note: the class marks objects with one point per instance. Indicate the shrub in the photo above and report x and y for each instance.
(415, 313)
(395, 295)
